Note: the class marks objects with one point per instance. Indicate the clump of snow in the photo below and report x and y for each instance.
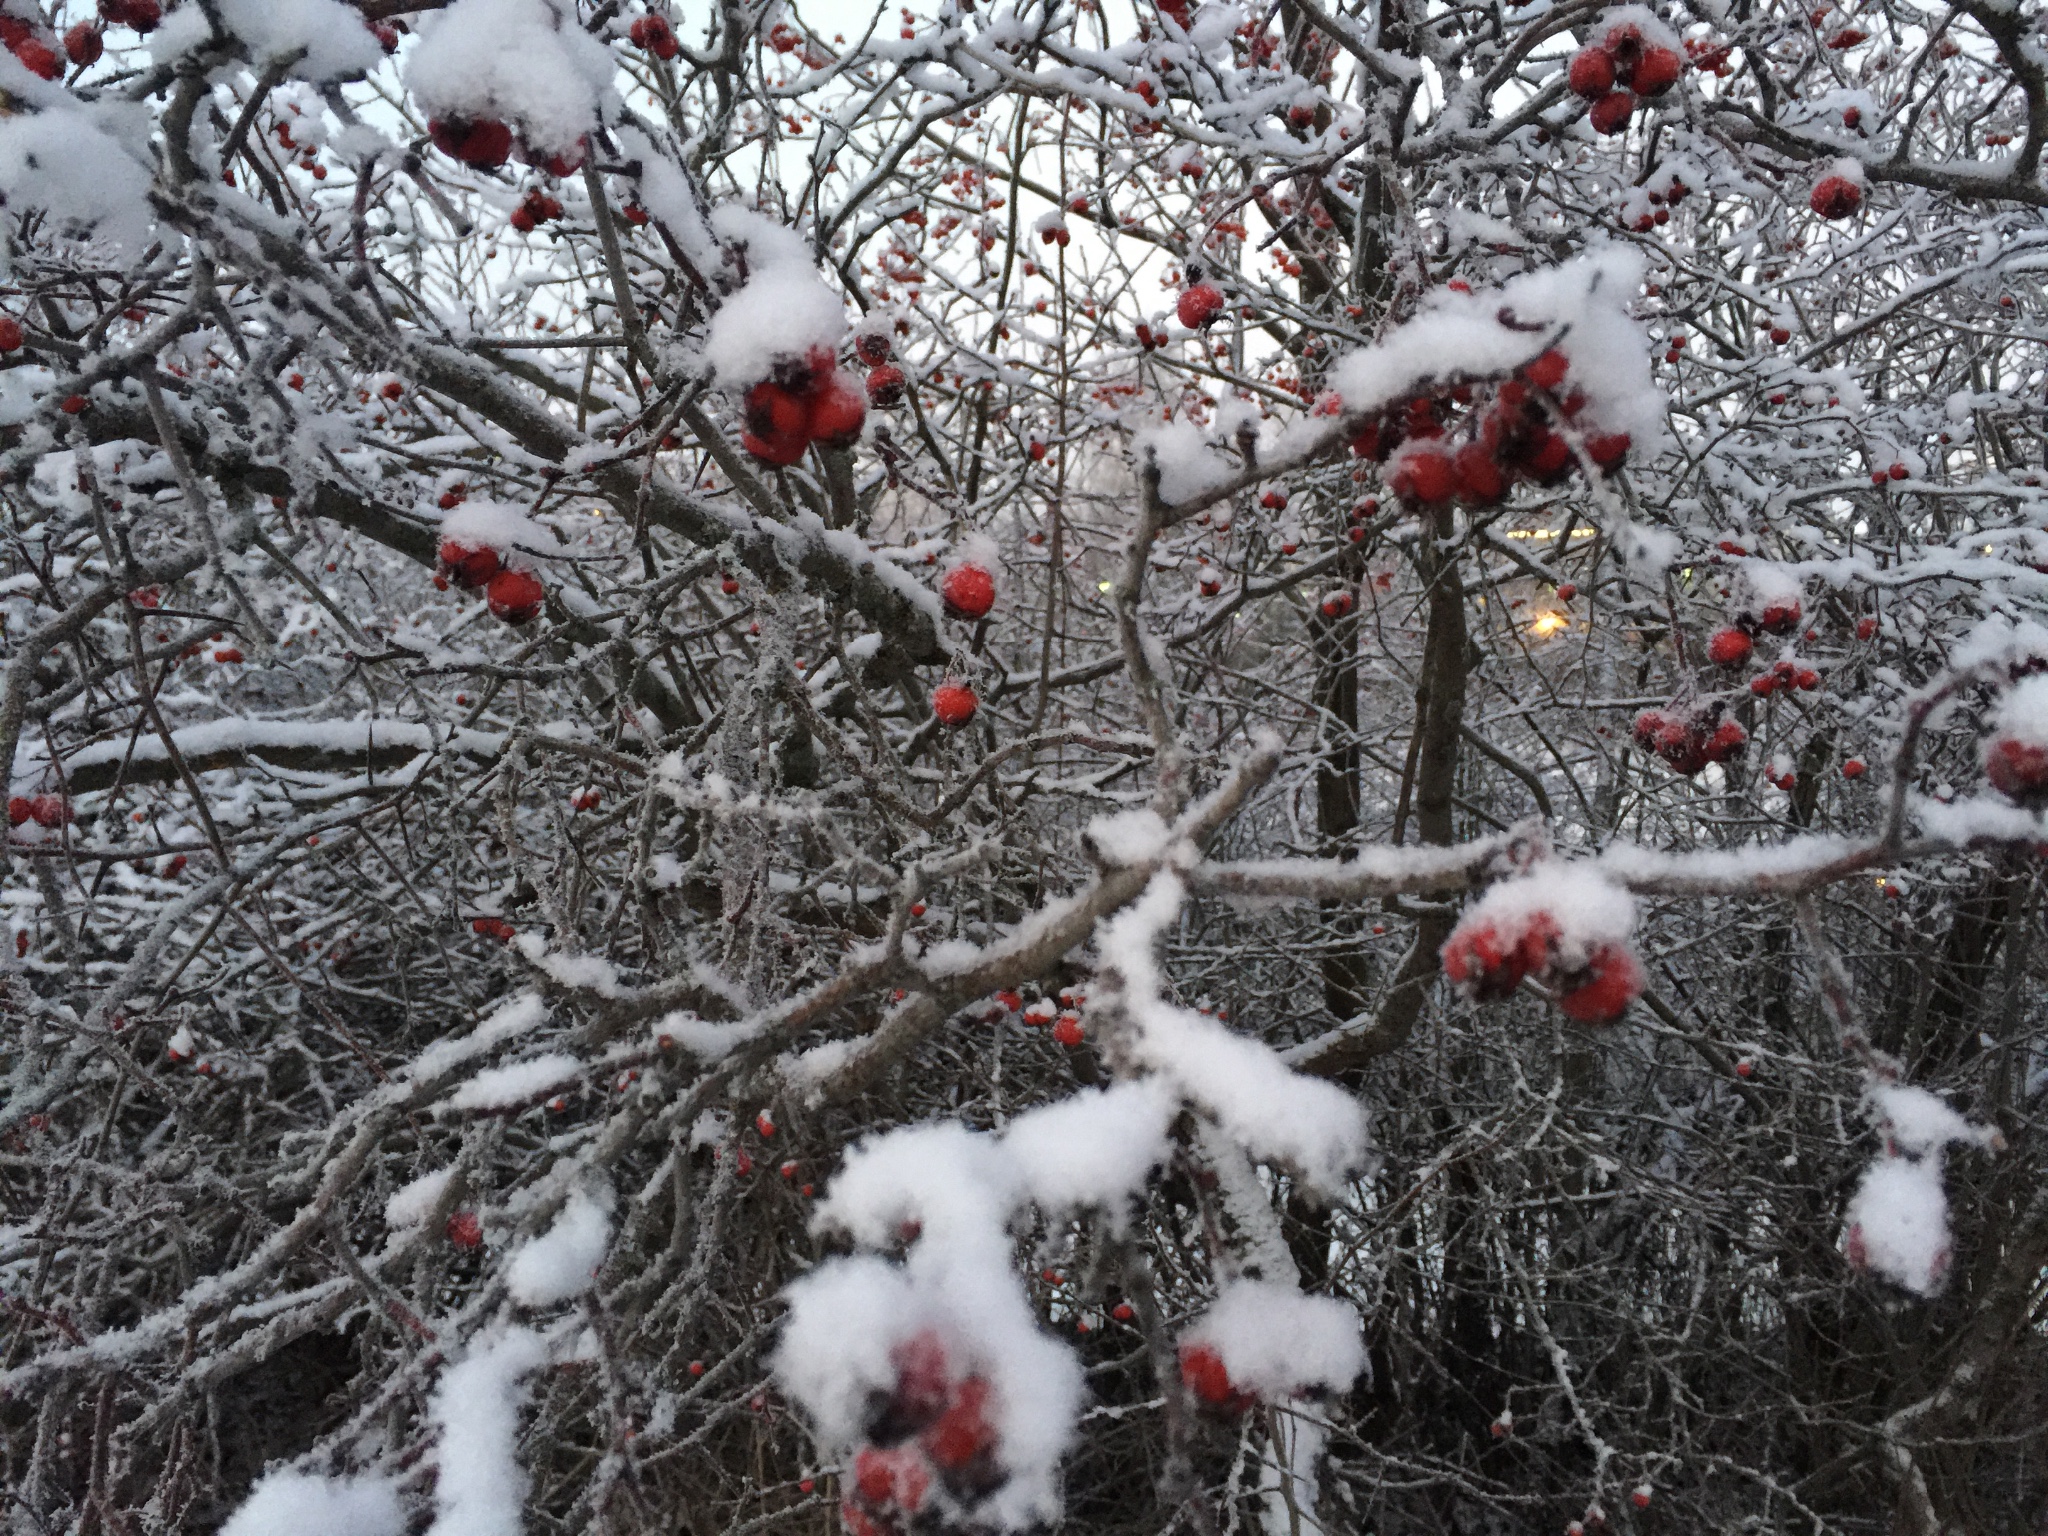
(1917, 1121)
(41, 155)
(1276, 1342)
(515, 1083)
(781, 312)
(527, 62)
(331, 35)
(1277, 1114)
(479, 1486)
(410, 1206)
(1898, 1223)
(1189, 463)
(2022, 714)
(487, 524)
(562, 1261)
(1644, 20)
(301, 1504)
(1125, 838)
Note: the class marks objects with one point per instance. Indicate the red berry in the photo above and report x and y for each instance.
(1780, 335)
(2017, 769)
(963, 1431)
(885, 387)
(838, 410)
(11, 336)
(467, 566)
(1068, 1030)
(729, 585)
(1602, 992)
(514, 596)
(1479, 478)
(1566, 591)
(1548, 371)
(954, 704)
(1611, 112)
(1336, 605)
(968, 591)
(1199, 305)
(83, 44)
(1806, 679)
(1274, 501)
(1781, 618)
(1592, 73)
(1202, 1369)
(1729, 647)
(654, 34)
(1425, 476)
(49, 810)
(1608, 449)
(1865, 627)
(465, 1230)
(20, 810)
(1898, 472)
(1122, 1312)
(73, 404)
(1835, 197)
(777, 424)
(484, 143)
(871, 348)
(228, 656)
(1655, 72)
(1853, 769)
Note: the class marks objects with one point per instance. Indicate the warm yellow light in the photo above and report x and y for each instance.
(1549, 623)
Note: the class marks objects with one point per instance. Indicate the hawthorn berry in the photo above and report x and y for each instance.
(465, 1231)
(885, 386)
(468, 566)
(954, 704)
(1835, 197)
(1199, 305)
(484, 143)
(1854, 768)
(1611, 112)
(1729, 647)
(514, 596)
(654, 34)
(83, 44)
(11, 337)
(968, 591)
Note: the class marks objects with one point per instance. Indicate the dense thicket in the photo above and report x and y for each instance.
(439, 1004)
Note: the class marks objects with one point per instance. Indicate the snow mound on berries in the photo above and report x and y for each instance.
(1588, 910)
(1580, 308)
(487, 524)
(41, 154)
(783, 310)
(1898, 1222)
(1653, 28)
(1275, 1342)
(299, 1504)
(561, 1262)
(1275, 1113)
(479, 1487)
(1918, 1121)
(523, 61)
(331, 35)
(2023, 713)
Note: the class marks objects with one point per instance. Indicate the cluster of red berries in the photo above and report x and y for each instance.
(43, 810)
(932, 1433)
(534, 210)
(1487, 957)
(494, 928)
(1614, 72)
(885, 382)
(513, 593)
(1784, 676)
(488, 142)
(1689, 739)
(655, 35)
(1512, 439)
(804, 403)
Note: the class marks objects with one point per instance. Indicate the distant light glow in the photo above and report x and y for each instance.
(1549, 623)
